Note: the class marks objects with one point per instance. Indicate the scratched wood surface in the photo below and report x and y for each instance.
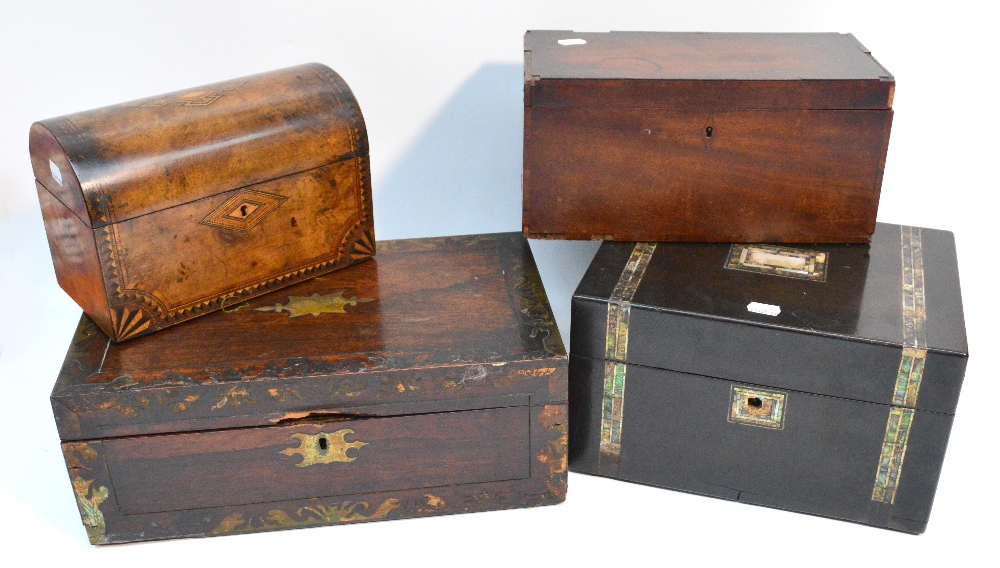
(429, 380)
(164, 209)
(703, 137)
(480, 460)
(427, 322)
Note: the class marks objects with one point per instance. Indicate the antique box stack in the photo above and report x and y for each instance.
(640, 136)
(820, 378)
(163, 209)
(359, 394)
(748, 331)
(365, 394)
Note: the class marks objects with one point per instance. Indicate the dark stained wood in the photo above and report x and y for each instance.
(154, 474)
(823, 462)
(702, 56)
(441, 354)
(843, 345)
(840, 337)
(436, 319)
(617, 144)
(281, 158)
(542, 460)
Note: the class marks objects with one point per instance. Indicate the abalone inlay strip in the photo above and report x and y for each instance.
(914, 300)
(890, 464)
(911, 367)
(619, 310)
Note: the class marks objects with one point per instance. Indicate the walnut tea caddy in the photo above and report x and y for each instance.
(167, 208)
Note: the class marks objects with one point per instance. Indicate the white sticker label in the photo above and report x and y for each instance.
(574, 41)
(766, 309)
(56, 174)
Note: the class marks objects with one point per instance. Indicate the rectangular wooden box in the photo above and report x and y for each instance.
(731, 137)
(167, 208)
(431, 380)
(819, 378)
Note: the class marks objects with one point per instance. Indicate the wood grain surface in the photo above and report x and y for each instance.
(430, 380)
(703, 137)
(196, 199)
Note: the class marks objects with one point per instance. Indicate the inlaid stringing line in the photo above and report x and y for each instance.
(616, 349)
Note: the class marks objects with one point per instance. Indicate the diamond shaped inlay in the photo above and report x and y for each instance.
(244, 210)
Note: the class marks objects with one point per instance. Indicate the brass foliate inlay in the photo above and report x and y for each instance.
(244, 210)
(323, 448)
(315, 305)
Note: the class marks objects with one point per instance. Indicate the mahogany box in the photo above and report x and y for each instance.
(167, 208)
(821, 379)
(429, 381)
(711, 137)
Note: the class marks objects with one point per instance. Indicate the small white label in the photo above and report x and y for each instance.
(573, 41)
(56, 174)
(766, 309)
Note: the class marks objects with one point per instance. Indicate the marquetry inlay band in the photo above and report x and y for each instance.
(911, 367)
(616, 349)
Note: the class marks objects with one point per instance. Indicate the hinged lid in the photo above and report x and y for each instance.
(118, 162)
(882, 323)
(429, 325)
(702, 70)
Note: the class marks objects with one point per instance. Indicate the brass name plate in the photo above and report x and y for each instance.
(755, 407)
(779, 261)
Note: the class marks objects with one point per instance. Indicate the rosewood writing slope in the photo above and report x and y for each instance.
(431, 380)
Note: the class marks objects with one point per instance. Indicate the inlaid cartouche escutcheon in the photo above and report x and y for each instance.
(212, 196)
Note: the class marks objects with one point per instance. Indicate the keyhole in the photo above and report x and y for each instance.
(755, 402)
(322, 444)
(708, 132)
(243, 208)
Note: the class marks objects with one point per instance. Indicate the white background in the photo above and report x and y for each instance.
(440, 87)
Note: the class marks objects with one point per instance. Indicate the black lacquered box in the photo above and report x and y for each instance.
(816, 378)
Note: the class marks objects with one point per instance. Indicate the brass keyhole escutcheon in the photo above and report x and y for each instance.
(708, 132)
(323, 448)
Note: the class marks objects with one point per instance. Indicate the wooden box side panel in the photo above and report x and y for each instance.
(173, 265)
(708, 94)
(756, 176)
(821, 455)
(505, 478)
(74, 255)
